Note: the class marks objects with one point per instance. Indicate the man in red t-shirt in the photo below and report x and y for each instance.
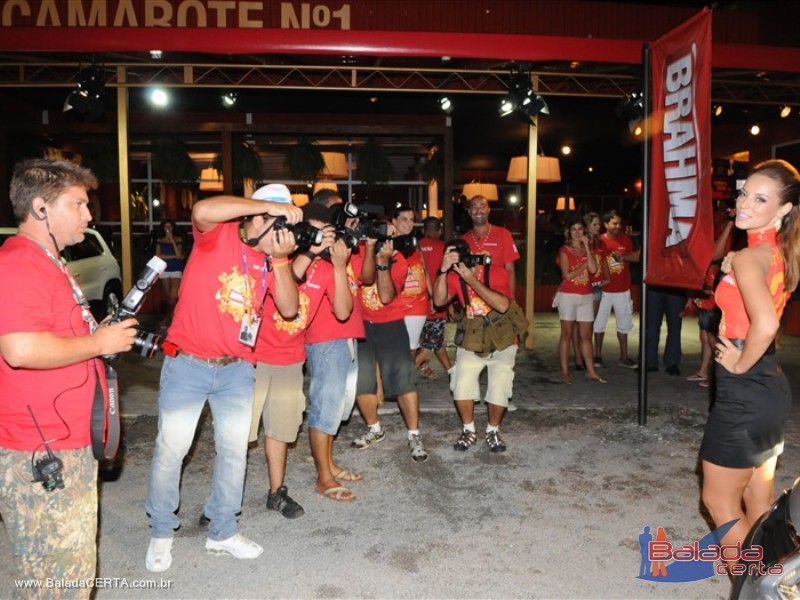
(617, 292)
(49, 372)
(382, 274)
(331, 347)
(496, 241)
(485, 238)
(432, 338)
(238, 259)
(482, 298)
(280, 353)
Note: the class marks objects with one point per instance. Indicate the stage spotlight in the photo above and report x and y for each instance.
(229, 99)
(521, 99)
(717, 110)
(755, 129)
(159, 97)
(446, 104)
(87, 99)
(786, 110)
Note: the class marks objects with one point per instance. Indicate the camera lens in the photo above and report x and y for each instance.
(146, 344)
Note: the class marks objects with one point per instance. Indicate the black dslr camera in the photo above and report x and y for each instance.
(405, 244)
(145, 344)
(465, 255)
(305, 235)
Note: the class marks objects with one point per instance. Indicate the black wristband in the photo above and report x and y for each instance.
(440, 272)
(382, 267)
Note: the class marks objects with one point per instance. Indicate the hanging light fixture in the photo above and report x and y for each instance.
(487, 190)
(561, 203)
(548, 169)
(325, 185)
(211, 180)
(300, 200)
(335, 165)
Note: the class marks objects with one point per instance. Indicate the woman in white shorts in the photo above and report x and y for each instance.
(574, 298)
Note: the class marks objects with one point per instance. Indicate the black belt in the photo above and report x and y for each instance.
(740, 344)
(211, 362)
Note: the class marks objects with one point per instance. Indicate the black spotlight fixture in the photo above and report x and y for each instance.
(521, 99)
(446, 104)
(228, 99)
(87, 99)
(631, 108)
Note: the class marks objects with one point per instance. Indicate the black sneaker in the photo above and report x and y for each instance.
(283, 503)
(495, 442)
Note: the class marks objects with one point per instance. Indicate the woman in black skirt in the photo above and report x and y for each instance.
(744, 434)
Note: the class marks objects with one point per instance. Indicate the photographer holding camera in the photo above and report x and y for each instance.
(486, 338)
(49, 376)
(239, 257)
(385, 349)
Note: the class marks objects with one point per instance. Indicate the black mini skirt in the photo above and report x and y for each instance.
(747, 420)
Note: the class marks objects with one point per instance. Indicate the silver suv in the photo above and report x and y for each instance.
(94, 268)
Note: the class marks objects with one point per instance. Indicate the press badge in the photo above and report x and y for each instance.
(249, 329)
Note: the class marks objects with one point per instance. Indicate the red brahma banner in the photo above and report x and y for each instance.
(680, 240)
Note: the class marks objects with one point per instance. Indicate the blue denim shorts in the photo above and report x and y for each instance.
(333, 370)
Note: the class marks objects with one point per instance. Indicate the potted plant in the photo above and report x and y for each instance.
(171, 161)
(373, 163)
(304, 160)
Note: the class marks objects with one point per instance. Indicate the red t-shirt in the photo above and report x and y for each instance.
(498, 243)
(282, 342)
(619, 270)
(580, 284)
(432, 252)
(213, 296)
(37, 297)
(477, 307)
(415, 290)
(325, 327)
(373, 309)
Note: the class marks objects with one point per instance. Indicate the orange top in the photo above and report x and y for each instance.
(735, 321)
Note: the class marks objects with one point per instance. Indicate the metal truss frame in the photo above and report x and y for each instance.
(739, 87)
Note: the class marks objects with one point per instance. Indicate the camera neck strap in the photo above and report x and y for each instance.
(464, 289)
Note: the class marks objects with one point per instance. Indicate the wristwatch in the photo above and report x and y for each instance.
(382, 267)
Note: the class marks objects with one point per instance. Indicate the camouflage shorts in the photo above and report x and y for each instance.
(433, 334)
(53, 534)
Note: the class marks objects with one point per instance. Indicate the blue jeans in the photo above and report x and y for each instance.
(660, 302)
(333, 367)
(186, 384)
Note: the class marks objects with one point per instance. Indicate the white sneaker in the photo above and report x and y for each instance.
(237, 546)
(159, 555)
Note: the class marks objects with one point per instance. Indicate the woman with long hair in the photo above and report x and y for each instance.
(574, 298)
(169, 247)
(744, 433)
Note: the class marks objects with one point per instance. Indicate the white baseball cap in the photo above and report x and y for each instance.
(274, 192)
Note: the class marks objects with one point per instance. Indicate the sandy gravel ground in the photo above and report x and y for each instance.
(557, 516)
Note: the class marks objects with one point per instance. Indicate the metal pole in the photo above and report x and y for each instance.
(530, 242)
(645, 234)
(124, 183)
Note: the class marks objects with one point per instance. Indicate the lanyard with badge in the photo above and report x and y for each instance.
(105, 421)
(251, 320)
